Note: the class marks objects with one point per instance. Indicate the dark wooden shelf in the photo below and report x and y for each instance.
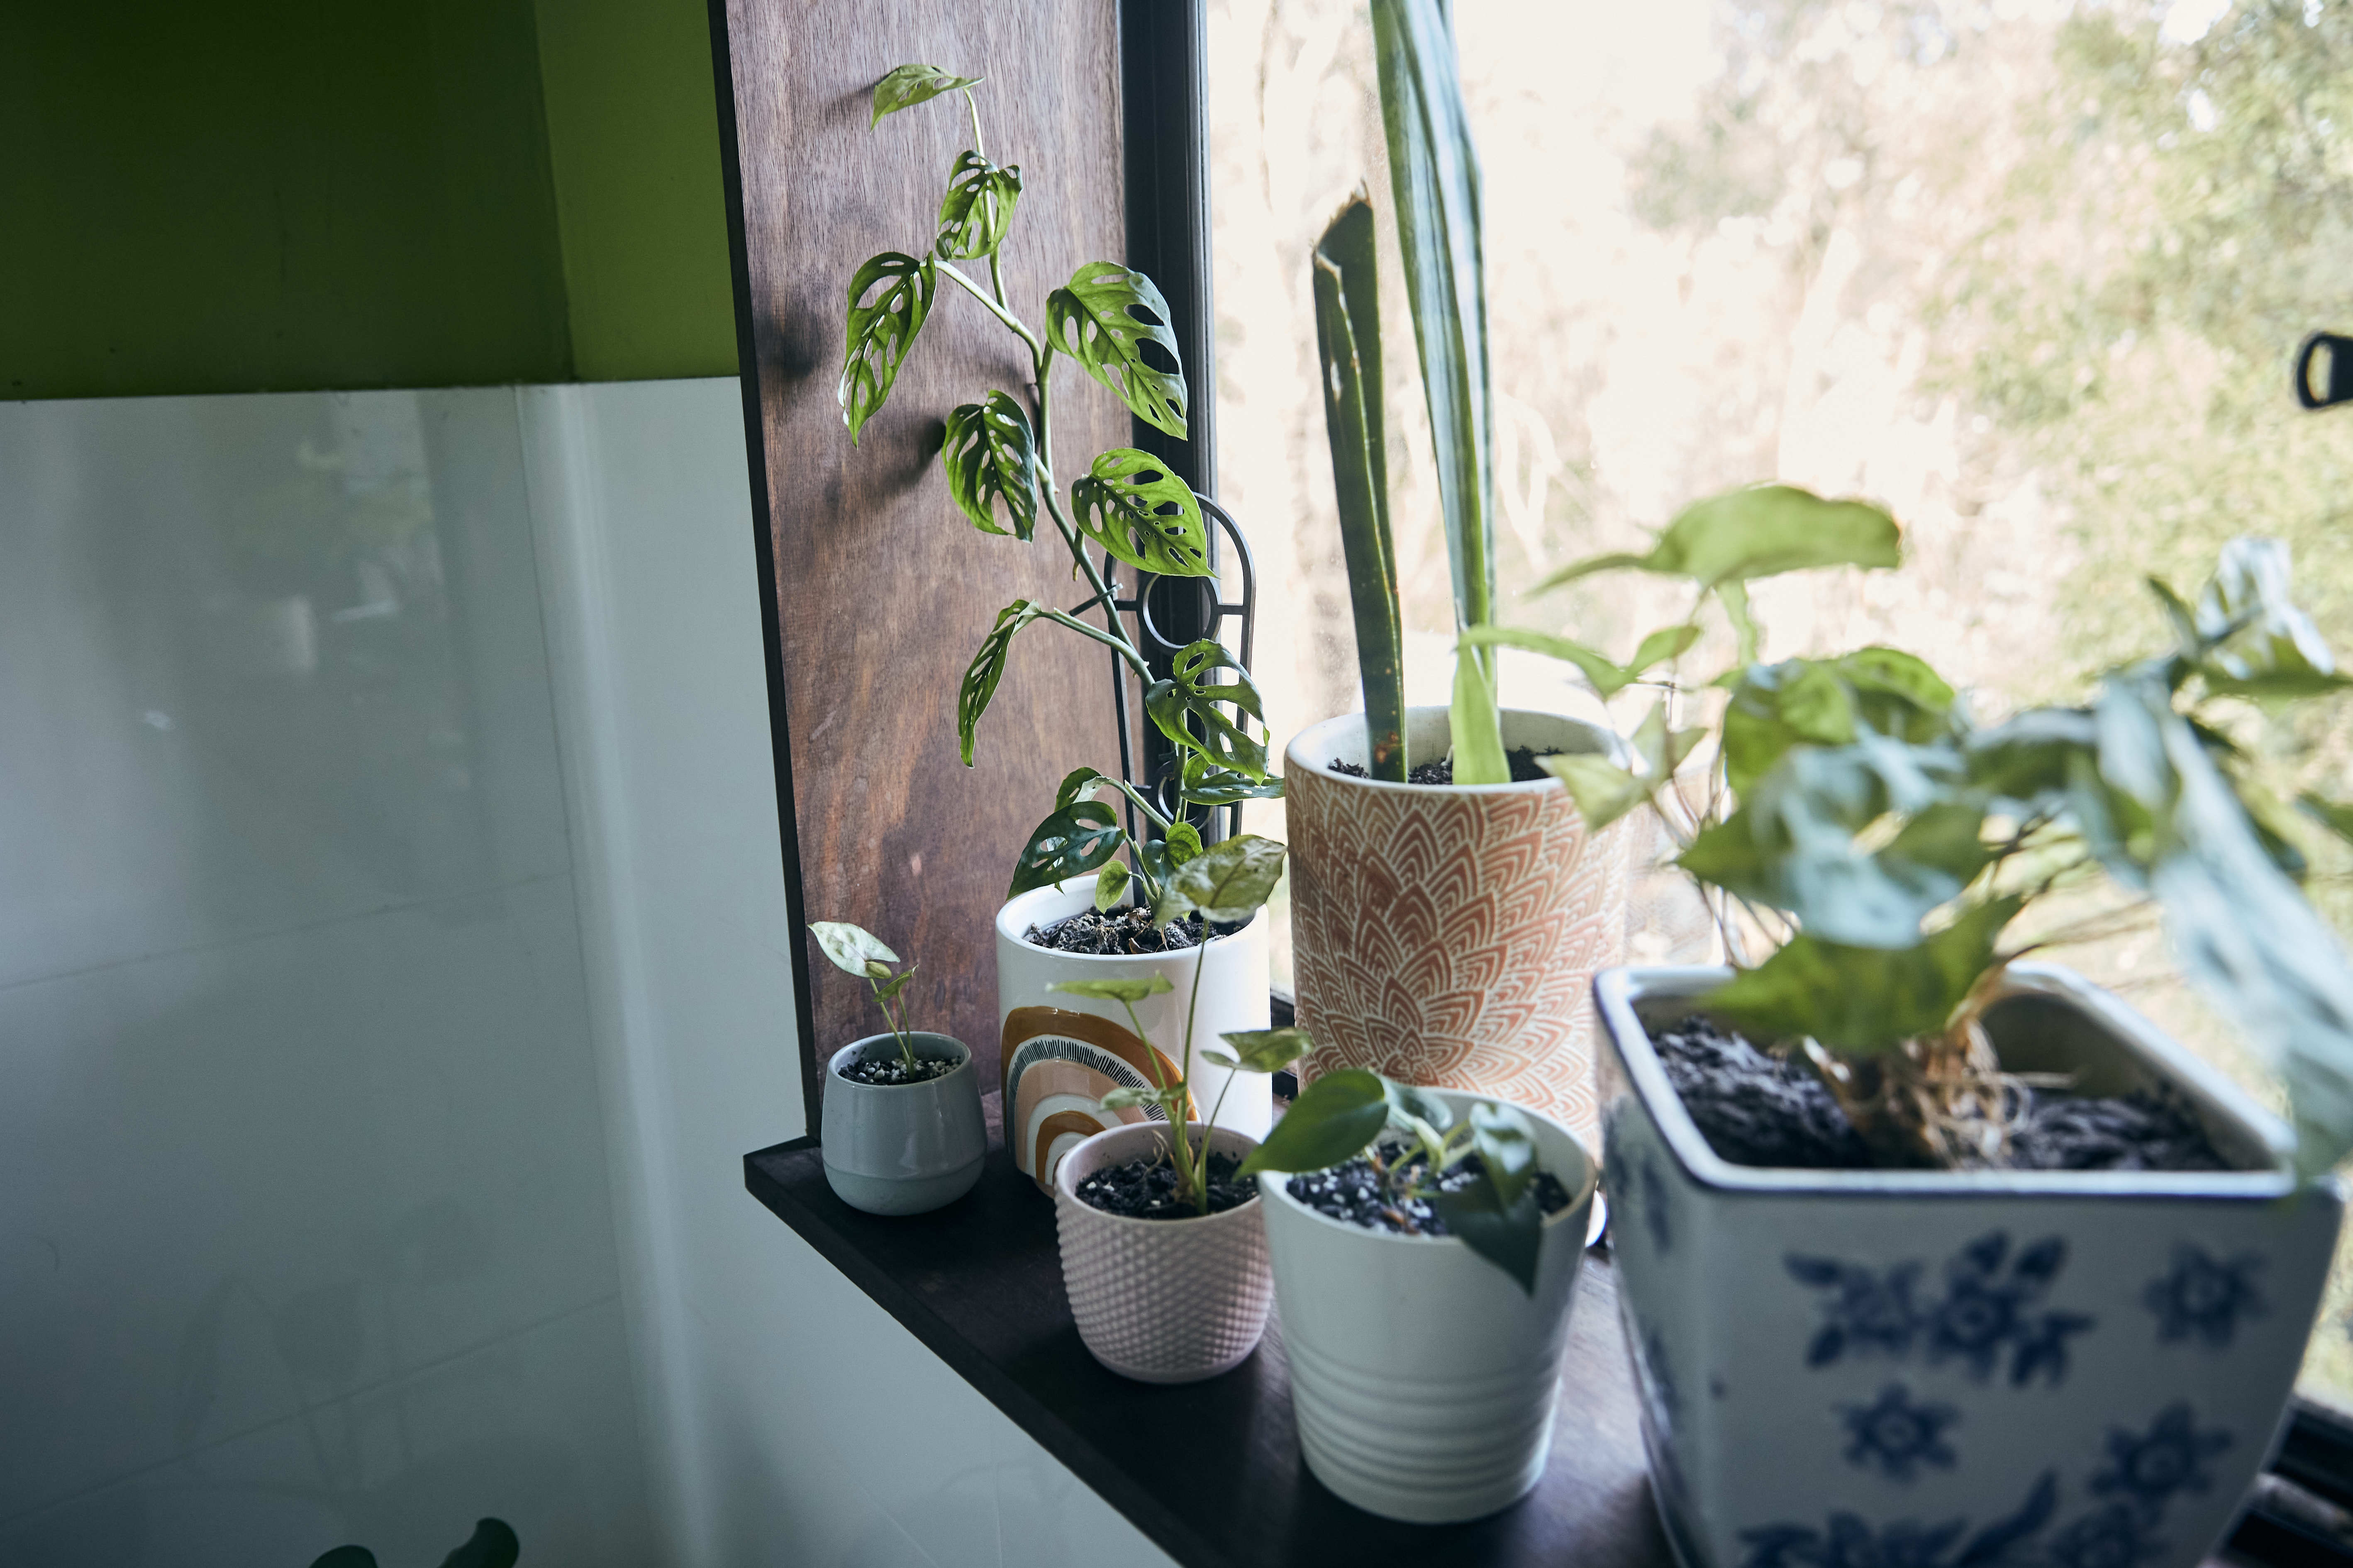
(980, 1282)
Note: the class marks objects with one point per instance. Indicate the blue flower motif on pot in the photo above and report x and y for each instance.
(1849, 1541)
(2204, 1299)
(1895, 1435)
(1666, 1392)
(2148, 1470)
(1655, 1213)
(2116, 1536)
(1987, 1313)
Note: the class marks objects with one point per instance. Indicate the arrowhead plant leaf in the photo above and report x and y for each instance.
(851, 948)
(1761, 532)
(1226, 883)
(1130, 989)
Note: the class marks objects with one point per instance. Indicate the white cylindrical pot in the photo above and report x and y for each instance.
(1422, 1377)
(1446, 934)
(1162, 1300)
(903, 1147)
(1062, 1053)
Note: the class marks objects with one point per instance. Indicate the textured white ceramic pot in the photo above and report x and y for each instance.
(903, 1147)
(1422, 1376)
(2079, 1369)
(1447, 934)
(1162, 1300)
(1062, 1053)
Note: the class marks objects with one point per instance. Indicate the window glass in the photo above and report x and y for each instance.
(2030, 274)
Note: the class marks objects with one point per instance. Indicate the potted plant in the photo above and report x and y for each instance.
(1449, 905)
(998, 456)
(1163, 1250)
(1929, 1254)
(904, 1131)
(1425, 1259)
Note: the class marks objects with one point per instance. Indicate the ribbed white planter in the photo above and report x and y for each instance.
(1422, 1376)
(1062, 1053)
(903, 1147)
(1445, 935)
(1162, 1300)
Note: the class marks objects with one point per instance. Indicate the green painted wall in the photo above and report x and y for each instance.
(282, 194)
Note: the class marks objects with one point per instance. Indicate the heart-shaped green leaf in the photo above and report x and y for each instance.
(909, 85)
(1113, 321)
(1509, 1235)
(1226, 884)
(1860, 1000)
(987, 667)
(1268, 1050)
(1073, 840)
(1332, 1119)
(1187, 708)
(850, 947)
(991, 456)
(1130, 504)
(1130, 989)
(977, 210)
(1603, 791)
(1760, 531)
(882, 330)
(1123, 1098)
(1507, 1146)
(1110, 883)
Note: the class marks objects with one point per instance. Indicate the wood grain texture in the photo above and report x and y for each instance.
(883, 591)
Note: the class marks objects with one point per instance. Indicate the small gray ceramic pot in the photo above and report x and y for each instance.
(903, 1147)
(1957, 1369)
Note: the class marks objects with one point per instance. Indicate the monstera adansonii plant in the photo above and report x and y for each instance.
(999, 458)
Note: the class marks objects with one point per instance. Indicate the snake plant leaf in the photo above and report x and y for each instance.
(976, 213)
(1603, 791)
(1187, 706)
(1202, 782)
(1267, 1050)
(1435, 183)
(1747, 638)
(882, 330)
(1507, 1234)
(909, 85)
(1349, 341)
(850, 947)
(1073, 841)
(987, 667)
(1333, 1119)
(1130, 989)
(991, 454)
(2335, 816)
(1760, 531)
(1475, 722)
(1863, 1000)
(1226, 884)
(1113, 320)
(1110, 884)
(1130, 504)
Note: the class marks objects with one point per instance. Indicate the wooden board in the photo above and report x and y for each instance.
(882, 591)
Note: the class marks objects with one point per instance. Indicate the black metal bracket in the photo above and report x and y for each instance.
(2338, 387)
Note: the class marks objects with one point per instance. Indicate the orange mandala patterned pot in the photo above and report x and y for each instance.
(1448, 935)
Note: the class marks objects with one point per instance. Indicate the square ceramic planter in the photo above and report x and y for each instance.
(1162, 1300)
(1062, 1053)
(1956, 1369)
(1447, 934)
(903, 1147)
(1423, 1378)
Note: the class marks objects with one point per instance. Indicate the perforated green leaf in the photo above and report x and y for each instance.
(1188, 708)
(909, 85)
(882, 330)
(987, 667)
(1130, 504)
(1073, 840)
(1113, 321)
(977, 211)
(991, 457)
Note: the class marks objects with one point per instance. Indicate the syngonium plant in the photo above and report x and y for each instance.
(857, 951)
(998, 454)
(1852, 811)
(1434, 181)
(1226, 884)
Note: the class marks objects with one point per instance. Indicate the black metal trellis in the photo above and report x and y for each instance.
(1204, 615)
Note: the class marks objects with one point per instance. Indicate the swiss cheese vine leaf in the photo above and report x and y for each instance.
(911, 85)
(1130, 504)
(882, 330)
(991, 454)
(1187, 708)
(1112, 320)
(977, 211)
(987, 667)
(1073, 840)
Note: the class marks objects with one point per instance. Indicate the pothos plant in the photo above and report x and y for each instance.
(998, 454)
(859, 951)
(1411, 1140)
(1852, 814)
(1225, 885)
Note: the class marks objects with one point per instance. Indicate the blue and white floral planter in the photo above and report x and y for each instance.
(1926, 1369)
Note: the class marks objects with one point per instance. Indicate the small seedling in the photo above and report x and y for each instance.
(1411, 1139)
(861, 953)
(1226, 884)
